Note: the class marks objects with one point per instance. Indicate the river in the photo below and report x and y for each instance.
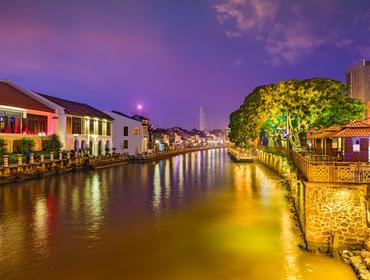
(194, 216)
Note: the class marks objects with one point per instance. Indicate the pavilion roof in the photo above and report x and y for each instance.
(356, 128)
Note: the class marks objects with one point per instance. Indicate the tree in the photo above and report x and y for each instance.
(290, 108)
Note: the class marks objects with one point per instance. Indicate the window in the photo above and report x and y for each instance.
(76, 125)
(69, 125)
(125, 144)
(125, 131)
(109, 130)
(334, 143)
(100, 128)
(136, 131)
(92, 128)
(356, 144)
(10, 122)
(36, 124)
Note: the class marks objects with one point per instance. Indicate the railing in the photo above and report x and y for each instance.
(60, 162)
(332, 171)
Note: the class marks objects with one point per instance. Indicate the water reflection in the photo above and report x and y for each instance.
(196, 216)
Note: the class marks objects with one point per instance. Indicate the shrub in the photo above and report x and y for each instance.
(54, 144)
(27, 144)
(3, 146)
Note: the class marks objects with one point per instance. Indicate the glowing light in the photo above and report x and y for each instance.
(139, 107)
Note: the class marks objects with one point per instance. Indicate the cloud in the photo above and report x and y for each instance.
(289, 30)
(247, 14)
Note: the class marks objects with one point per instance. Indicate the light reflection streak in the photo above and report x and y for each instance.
(40, 216)
(181, 175)
(289, 248)
(156, 204)
(167, 181)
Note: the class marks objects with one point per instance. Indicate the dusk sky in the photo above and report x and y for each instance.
(172, 56)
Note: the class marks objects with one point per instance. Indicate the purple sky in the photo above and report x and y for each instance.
(174, 55)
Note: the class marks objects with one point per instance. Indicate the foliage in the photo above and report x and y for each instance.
(3, 146)
(27, 144)
(54, 144)
(283, 111)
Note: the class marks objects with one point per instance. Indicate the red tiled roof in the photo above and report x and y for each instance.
(350, 132)
(321, 134)
(11, 95)
(78, 109)
(357, 123)
(354, 128)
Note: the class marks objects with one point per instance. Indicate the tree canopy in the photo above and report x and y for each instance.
(287, 109)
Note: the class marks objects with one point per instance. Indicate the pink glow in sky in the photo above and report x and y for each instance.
(176, 55)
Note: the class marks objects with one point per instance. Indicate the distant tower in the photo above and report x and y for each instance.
(202, 118)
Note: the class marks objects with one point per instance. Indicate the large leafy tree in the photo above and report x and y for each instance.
(292, 107)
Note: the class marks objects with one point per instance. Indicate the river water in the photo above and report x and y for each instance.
(194, 216)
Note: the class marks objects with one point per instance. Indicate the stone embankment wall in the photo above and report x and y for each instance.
(332, 216)
(336, 215)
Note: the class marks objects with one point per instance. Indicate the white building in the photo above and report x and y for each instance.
(130, 134)
(79, 126)
(25, 113)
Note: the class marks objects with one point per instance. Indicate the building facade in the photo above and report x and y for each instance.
(130, 135)
(22, 116)
(358, 79)
(80, 127)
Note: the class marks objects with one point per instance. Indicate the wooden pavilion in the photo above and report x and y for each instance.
(346, 142)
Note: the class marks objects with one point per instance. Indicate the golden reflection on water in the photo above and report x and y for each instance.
(196, 216)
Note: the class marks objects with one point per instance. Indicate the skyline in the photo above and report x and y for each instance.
(171, 58)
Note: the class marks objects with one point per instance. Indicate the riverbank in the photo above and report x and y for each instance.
(64, 163)
(168, 154)
(43, 168)
(332, 217)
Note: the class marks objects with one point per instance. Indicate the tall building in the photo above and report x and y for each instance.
(205, 118)
(358, 79)
(202, 119)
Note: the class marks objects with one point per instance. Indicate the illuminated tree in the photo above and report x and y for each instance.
(292, 107)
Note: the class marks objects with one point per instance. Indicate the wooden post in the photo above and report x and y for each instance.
(60, 156)
(42, 160)
(52, 159)
(20, 163)
(32, 158)
(6, 165)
